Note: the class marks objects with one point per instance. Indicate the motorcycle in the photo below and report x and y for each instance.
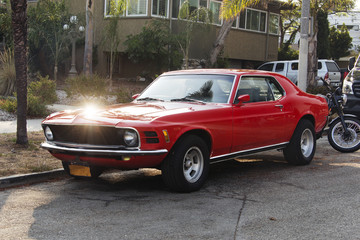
(344, 129)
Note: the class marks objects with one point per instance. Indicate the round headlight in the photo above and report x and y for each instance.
(48, 134)
(130, 138)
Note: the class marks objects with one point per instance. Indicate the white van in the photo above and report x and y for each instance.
(327, 69)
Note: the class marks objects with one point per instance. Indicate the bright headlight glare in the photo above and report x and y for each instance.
(48, 134)
(130, 138)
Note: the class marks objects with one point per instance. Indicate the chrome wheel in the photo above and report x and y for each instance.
(346, 141)
(186, 167)
(307, 143)
(193, 164)
(302, 145)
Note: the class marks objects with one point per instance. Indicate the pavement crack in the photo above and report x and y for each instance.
(239, 216)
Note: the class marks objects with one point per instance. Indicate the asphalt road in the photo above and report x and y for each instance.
(259, 197)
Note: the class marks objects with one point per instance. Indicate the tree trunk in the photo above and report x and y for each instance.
(87, 68)
(19, 24)
(312, 56)
(220, 41)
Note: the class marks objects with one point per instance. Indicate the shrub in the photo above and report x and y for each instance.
(36, 106)
(317, 90)
(87, 87)
(124, 93)
(7, 73)
(45, 89)
(40, 93)
(8, 104)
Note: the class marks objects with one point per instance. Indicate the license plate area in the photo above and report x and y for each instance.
(79, 170)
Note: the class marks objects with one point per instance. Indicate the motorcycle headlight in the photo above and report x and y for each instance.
(48, 134)
(344, 97)
(131, 138)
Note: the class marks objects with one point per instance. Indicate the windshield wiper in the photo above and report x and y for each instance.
(149, 99)
(186, 99)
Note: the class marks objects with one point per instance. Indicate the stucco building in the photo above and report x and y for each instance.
(253, 38)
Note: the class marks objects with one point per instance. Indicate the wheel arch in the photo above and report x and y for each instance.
(203, 134)
(309, 117)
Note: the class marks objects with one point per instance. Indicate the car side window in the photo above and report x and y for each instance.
(260, 89)
(332, 67)
(267, 67)
(319, 65)
(294, 66)
(279, 67)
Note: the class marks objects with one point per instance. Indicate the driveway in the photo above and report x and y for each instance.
(258, 197)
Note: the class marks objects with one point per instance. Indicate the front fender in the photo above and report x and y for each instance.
(345, 115)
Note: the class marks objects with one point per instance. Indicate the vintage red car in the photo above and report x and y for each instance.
(186, 120)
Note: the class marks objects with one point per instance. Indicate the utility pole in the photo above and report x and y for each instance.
(304, 45)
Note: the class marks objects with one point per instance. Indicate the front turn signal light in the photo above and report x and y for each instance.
(166, 136)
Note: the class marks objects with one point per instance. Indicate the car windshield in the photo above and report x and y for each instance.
(190, 88)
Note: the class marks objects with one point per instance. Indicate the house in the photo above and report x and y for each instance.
(252, 40)
(352, 23)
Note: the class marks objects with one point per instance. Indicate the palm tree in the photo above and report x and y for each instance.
(19, 24)
(230, 9)
(88, 51)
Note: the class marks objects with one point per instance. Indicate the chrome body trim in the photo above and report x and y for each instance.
(233, 155)
(103, 152)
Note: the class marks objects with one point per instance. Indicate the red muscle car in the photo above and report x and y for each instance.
(186, 120)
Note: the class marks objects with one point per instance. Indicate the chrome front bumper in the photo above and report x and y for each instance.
(106, 152)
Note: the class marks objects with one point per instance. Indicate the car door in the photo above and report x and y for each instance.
(259, 122)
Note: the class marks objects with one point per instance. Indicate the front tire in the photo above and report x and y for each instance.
(337, 138)
(302, 146)
(186, 167)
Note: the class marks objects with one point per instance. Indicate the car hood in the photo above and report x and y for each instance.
(134, 111)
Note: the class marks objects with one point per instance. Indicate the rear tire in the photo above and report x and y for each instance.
(186, 167)
(302, 146)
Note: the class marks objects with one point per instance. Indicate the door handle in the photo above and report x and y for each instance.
(280, 106)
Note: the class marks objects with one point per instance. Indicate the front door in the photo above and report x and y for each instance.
(260, 122)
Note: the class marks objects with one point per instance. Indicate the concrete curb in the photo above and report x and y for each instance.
(31, 178)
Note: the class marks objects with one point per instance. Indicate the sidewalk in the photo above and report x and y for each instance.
(32, 124)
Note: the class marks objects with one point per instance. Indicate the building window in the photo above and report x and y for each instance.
(160, 8)
(253, 20)
(134, 7)
(215, 9)
(137, 8)
(274, 23)
(194, 5)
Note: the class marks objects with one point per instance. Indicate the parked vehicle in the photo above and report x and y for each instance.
(327, 69)
(351, 87)
(186, 120)
(344, 72)
(344, 130)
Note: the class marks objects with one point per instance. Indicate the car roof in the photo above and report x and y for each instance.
(213, 71)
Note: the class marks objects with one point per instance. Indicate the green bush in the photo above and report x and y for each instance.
(317, 90)
(45, 89)
(92, 86)
(8, 104)
(36, 106)
(40, 93)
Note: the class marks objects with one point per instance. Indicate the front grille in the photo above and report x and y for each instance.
(88, 135)
(356, 88)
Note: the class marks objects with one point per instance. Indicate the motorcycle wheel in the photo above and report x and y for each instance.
(338, 139)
